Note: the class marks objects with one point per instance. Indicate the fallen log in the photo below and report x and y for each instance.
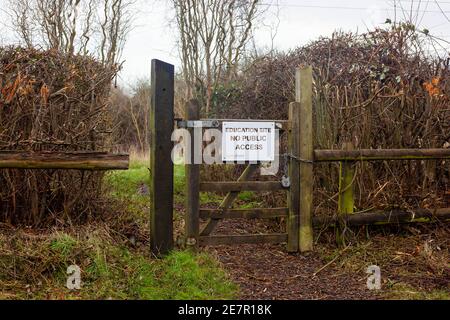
(386, 217)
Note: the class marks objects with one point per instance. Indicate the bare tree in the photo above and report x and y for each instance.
(130, 117)
(213, 35)
(74, 26)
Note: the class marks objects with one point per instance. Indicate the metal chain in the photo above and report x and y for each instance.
(285, 167)
(288, 155)
(285, 179)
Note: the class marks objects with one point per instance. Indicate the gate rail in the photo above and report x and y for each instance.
(81, 160)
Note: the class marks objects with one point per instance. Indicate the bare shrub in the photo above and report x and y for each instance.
(52, 102)
(377, 90)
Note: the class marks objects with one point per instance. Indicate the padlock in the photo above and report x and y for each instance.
(285, 182)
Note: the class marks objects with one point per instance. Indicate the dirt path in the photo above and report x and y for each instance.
(269, 272)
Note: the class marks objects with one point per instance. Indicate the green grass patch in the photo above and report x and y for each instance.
(118, 273)
(63, 244)
(130, 183)
(112, 270)
(125, 184)
(131, 188)
(246, 196)
(183, 275)
(109, 270)
(402, 291)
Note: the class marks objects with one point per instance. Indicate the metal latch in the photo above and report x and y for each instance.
(285, 182)
(198, 124)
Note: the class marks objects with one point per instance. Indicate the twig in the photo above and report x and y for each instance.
(335, 258)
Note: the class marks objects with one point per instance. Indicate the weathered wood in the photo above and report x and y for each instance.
(279, 124)
(236, 186)
(229, 198)
(303, 93)
(243, 239)
(380, 154)
(257, 213)
(192, 173)
(161, 165)
(293, 196)
(64, 160)
(346, 201)
(385, 217)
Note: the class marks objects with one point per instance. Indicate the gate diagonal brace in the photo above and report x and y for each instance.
(227, 202)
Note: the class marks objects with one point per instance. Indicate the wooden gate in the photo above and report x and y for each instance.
(298, 233)
(301, 158)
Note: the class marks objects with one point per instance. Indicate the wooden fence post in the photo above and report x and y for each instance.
(293, 222)
(161, 165)
(192, 172)
(303, 94)
(346, 202)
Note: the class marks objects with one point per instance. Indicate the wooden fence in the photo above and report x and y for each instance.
(302, 156)
(63, 160)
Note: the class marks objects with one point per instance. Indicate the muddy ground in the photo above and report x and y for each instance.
(414, 262)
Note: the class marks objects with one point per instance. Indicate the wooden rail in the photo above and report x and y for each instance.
(63, 160)
(226, 203)
(380, 154)
(264, 213)
(279, 124)
(237, 186)
(385, 217)
(243, 239)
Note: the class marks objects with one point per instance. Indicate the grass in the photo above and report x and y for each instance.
(111, 268)
(63, 244)
(111, 271)
(125, 184)
(402, 291)
(181, 275)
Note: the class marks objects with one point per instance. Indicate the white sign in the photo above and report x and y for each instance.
(248, 141)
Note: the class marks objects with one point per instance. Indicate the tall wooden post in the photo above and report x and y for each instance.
(293, 222)
(346, 201)
(303, 93)
(192, 171)
(161, 165)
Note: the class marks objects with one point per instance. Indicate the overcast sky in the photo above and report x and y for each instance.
(296, 22)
